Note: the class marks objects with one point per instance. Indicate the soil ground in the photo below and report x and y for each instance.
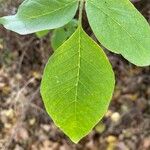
(24, 123)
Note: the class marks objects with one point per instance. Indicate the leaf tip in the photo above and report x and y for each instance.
(74, 140)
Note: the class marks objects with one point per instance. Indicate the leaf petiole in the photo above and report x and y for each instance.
(81, 6)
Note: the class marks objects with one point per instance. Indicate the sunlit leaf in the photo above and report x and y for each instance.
(77, 85)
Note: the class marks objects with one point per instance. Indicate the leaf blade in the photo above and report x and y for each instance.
(73, 85)
(121, 29)
(37, 15)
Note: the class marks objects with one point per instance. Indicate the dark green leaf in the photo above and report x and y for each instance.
(60, 35)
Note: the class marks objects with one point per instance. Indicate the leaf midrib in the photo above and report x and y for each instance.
(78, 77)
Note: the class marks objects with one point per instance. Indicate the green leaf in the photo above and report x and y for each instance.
(77, 85)
(41, 34)
(60, 35)
(121, 29)
(38, 15)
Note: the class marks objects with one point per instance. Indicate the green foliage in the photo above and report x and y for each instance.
(38, 15)
(78, 80)
(41, 34)
(74, 85)
(60, 35)
(121, 29)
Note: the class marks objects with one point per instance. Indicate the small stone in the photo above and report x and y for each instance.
(111, 139)
(108, 114)
(36, 75)
(8, 125)
(32, 121)
(115, 117)
(1, 46)
(46, 127)
(9, 113)
(18, 76)
(100, 128)
(2, 85)
(6, 90)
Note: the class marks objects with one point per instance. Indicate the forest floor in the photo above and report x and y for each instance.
(24, 123)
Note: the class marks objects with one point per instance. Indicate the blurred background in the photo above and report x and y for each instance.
(24, 123)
